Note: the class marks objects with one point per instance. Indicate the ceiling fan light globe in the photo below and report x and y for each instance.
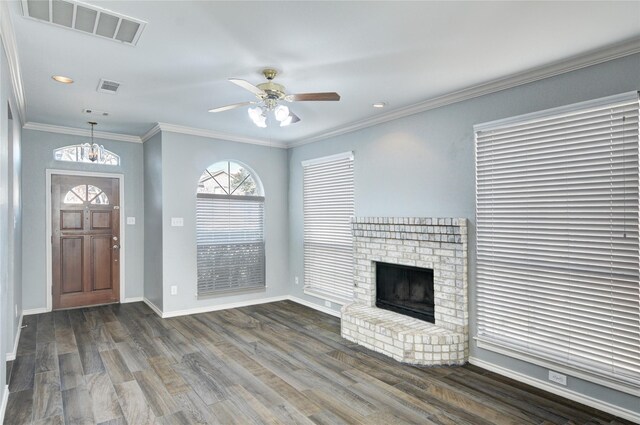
(281, 113)
(285, 122)
(261, 122)
(254, 113)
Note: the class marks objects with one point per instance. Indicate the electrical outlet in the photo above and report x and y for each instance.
(297, 280)
(558, 378)
(174, 290)
(131, 220)
(327, 303)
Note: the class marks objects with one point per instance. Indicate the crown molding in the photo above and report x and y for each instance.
(574, 63)
(11, 49)
(211, 134)
(152, 132)
(81, 132)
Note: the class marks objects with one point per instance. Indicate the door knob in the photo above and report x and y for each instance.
(116, 247)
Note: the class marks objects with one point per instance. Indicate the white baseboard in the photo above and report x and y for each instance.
(226, 306)
(133, 300)
(152, 306)
(206, 309)
(3, 406)
(35, 311)
(563, 392)
(12, 355)
(315, 306)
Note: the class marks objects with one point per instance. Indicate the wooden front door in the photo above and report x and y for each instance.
(85, 220)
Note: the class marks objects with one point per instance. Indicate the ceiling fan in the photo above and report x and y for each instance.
(270, 95)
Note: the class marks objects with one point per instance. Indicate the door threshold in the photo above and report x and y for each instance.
(86, 306)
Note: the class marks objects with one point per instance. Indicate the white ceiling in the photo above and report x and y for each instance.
(398, 52)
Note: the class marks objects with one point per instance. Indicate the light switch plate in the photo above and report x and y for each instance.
(131, 220)
(177, 221)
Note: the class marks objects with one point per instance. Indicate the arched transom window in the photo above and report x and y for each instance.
(86, 194)
(230, 230)
(80, 153)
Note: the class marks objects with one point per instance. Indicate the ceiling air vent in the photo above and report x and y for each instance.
(84, 17)
(106, 86)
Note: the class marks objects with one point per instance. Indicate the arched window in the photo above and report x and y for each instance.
(230, 229)
(80, 153)
(86, 194)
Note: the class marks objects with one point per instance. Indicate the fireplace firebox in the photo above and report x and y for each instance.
(406, 290)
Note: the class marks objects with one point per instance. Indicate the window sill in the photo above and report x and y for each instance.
(230, 292)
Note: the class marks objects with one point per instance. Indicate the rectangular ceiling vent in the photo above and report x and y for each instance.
(86, 18)
(106, 86)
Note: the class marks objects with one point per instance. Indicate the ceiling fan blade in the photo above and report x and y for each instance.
(248, 86)
(301, 97)
(233, 106)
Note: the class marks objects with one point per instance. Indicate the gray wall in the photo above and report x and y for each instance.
(153, 220)
(184, 159)
(10, 219)
(37, 157)
(423, 165)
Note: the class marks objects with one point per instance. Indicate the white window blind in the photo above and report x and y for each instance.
(328, 242)
(230, 243)
(557, 239)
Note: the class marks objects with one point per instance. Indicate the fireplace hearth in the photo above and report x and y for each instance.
(406, 290)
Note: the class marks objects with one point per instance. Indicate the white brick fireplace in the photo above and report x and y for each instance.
(434, 243)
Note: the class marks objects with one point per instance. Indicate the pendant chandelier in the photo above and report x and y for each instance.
(92, 150)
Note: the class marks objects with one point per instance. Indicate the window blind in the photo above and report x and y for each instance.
(230, 243)
(557, 238)
(328, 242)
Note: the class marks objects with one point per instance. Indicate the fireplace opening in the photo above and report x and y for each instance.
(406, 290)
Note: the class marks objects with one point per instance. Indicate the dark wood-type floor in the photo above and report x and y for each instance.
(272, 363)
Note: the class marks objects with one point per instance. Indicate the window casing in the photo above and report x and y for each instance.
(230, 230)
(557, 239)
(328, 199)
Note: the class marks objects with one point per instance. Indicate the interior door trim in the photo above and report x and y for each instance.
(49, 231)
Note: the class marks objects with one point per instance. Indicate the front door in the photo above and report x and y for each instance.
(85, 221)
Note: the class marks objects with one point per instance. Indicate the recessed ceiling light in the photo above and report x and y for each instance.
(62, 79)
(379, 104)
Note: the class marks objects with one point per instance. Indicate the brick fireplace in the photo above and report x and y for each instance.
(439, 244)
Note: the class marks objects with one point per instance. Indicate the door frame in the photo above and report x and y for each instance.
(49, 231)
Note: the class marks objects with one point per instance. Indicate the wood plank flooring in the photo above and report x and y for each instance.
(278, 363)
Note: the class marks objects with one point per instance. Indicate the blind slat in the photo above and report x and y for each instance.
(230, 239)
(557, 241)
(328, 243)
